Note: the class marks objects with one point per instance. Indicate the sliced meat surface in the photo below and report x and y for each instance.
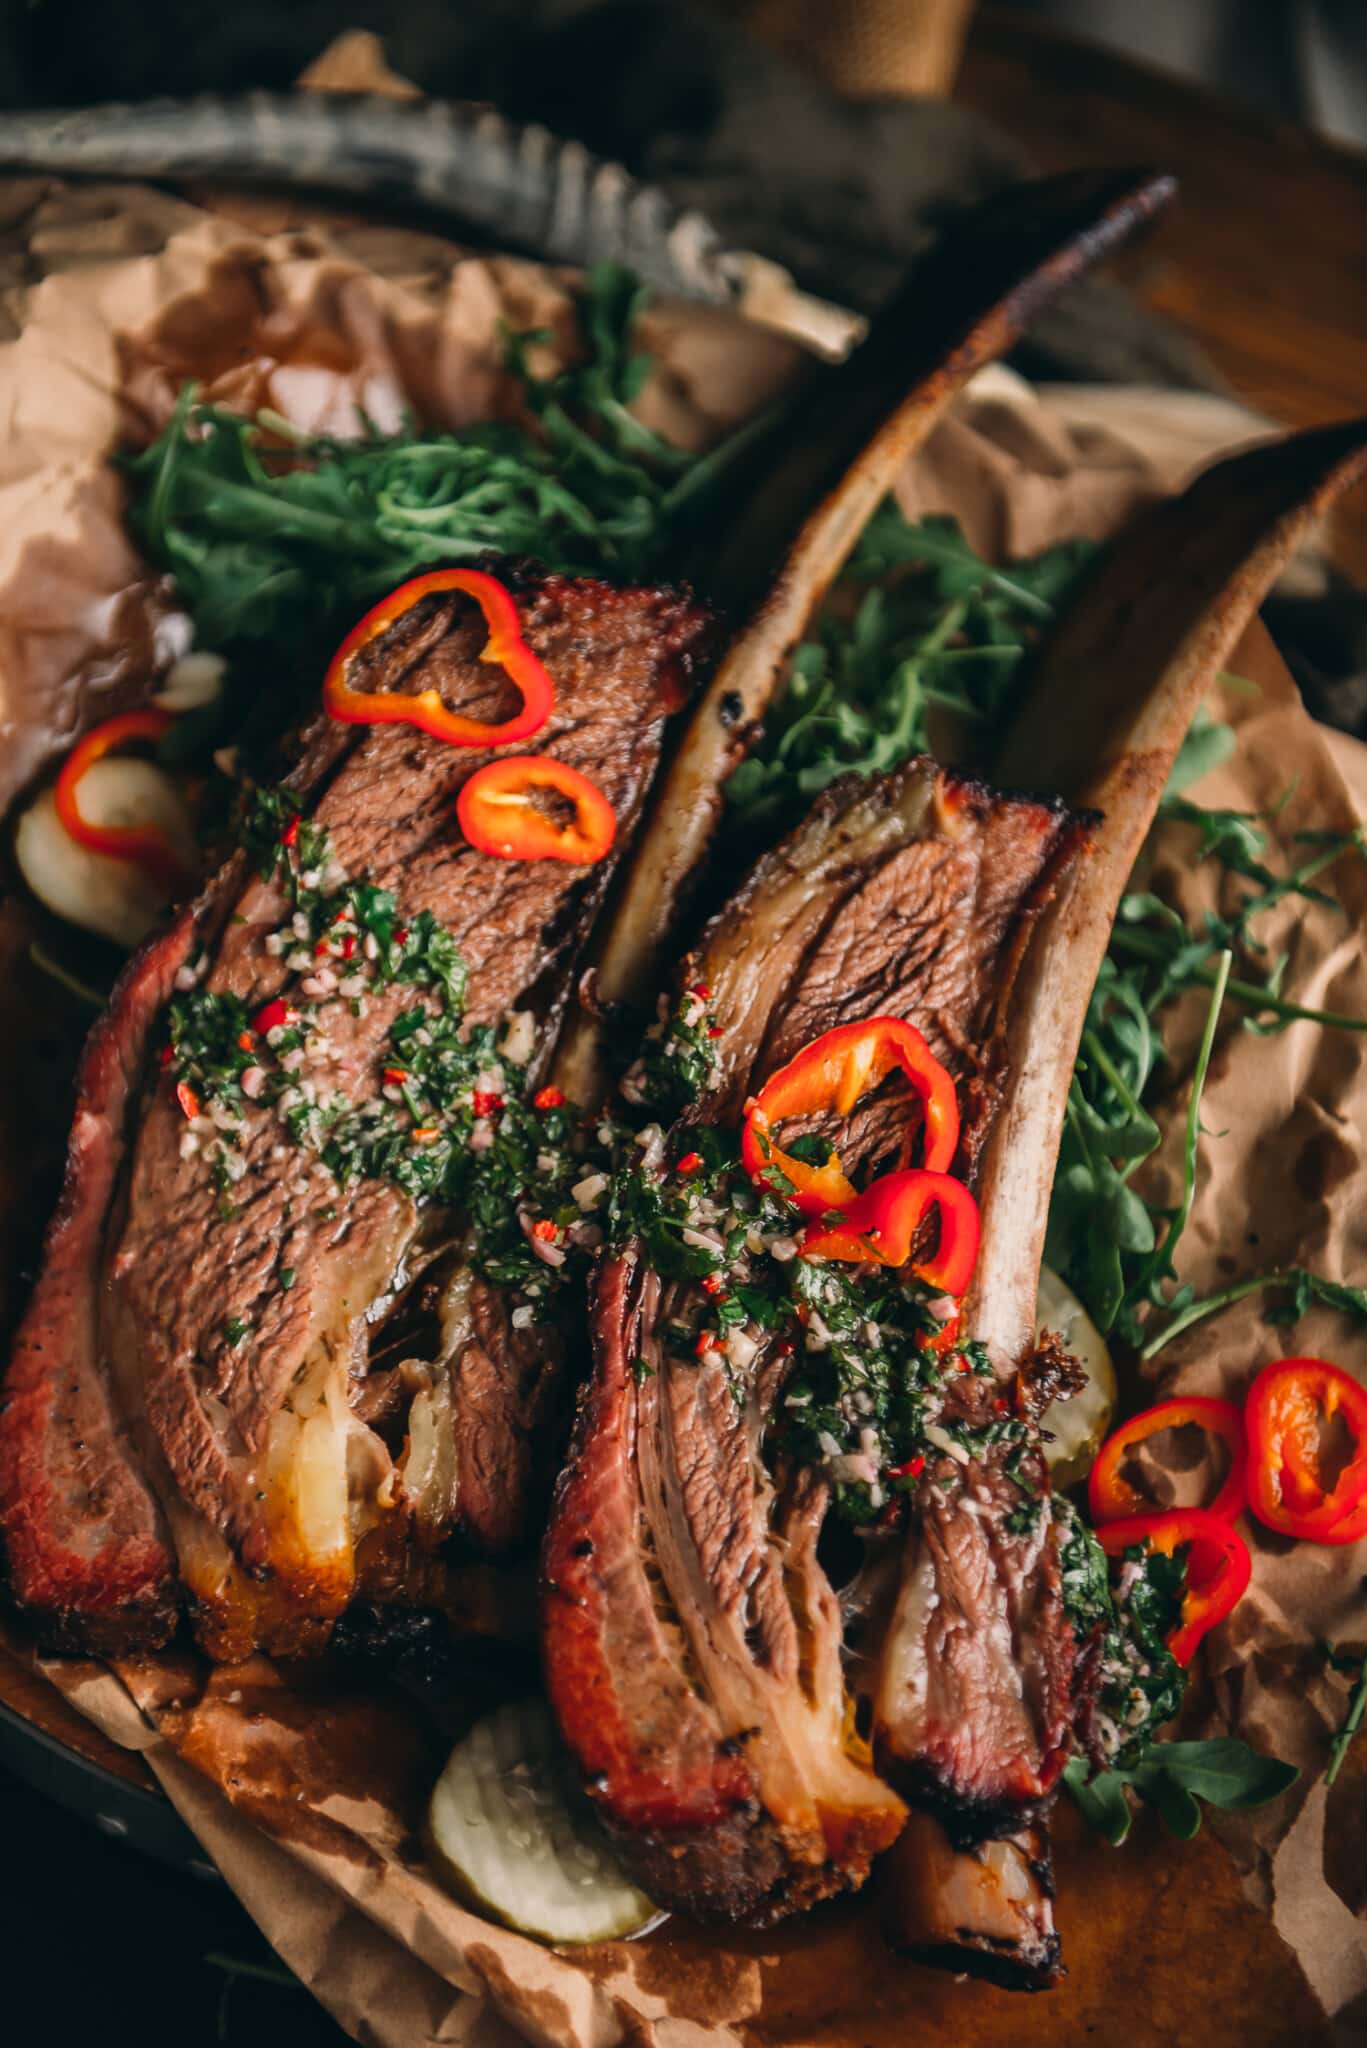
(237, 1389)
(692, 1640)
(975, 1695)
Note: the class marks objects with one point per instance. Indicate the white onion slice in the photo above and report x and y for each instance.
(192, 682)
(115, 898)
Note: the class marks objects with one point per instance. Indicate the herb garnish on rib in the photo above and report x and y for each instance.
(1125, 1615)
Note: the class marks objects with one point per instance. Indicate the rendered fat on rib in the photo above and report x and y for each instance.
(692, 1640)
(825, 468)
(248, 1440)
(1117, 691)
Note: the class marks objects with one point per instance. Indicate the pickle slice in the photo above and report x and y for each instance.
(512, 1833)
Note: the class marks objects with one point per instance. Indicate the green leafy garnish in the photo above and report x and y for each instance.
(279, 540)
(1173, 1777)
(1301, 1288)
(1126, 1608)
(949, 632)
(1111, 1245)
(1354, 1713)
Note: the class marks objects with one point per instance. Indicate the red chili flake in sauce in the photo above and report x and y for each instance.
(187, 1098)
(913, 1468)
(715, 1031)
(701, 991)
(425, 1134)
(548, 1098)
(485, 1103)
(690, 1163)
(707, 1342)
(401, 935)
(713, 1284)
(545, 1230)
(244, 1039)
(271, 1014)
(291, 831)
(348, 945)
(394, 1075)
(168, 1053)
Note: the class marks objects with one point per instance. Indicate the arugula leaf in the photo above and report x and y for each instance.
(1158, 1264)
(1095, 1239)
(1173, 1777)
(947, 633)
(278, 540)
(1302, 1287)
(1224, 1772)
(1101, 1797)
(1207, 743)
(1353, 1715)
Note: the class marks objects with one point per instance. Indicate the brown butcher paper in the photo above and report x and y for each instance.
(310, 1799)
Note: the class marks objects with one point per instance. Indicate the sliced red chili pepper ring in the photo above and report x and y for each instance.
(1109, 1493)
(499, 814)
(1218, 1565)
(147, 846)
(425, 709)
(832, 1073)
(880, 1226)
(1287, 1405)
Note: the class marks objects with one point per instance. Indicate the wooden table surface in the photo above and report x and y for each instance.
(1264, 257)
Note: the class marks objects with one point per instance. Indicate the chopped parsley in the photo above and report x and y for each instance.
(1129, 1606)
(679, 1060)
(1142, 1683)
(449, 1121)
(867, 1381)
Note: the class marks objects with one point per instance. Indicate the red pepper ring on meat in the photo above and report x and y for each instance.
(1218, 1565)
(1286, 1406)
(1110, 1496)
(147, 846)
(880, 1225)
(425, 709)
(498, 812)
(831, 1074)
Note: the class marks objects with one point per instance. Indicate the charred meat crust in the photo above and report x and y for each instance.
(987, 1911)
(676, 1787)
(974, 1954)
(85, 1547)
(620, 658)
(691, 1640)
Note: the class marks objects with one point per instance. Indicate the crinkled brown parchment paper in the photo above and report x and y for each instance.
(311, 1806)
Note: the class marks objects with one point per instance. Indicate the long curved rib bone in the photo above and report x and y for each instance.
(852, 431)
(1114, 697)
(1112, 702)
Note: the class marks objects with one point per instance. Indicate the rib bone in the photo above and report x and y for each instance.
(852, 432)
(1116, 693)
